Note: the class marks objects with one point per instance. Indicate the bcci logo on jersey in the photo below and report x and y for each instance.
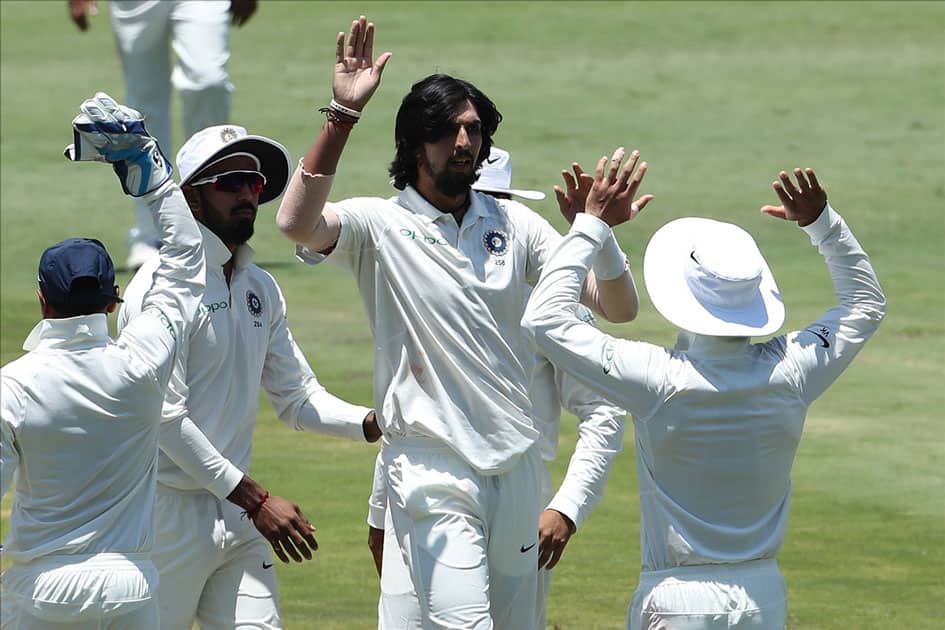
(496, 242)
(254, 304)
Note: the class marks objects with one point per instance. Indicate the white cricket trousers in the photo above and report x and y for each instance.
(398, 608)
(710, 597)
(199, 33)
(470, 541)
(214, 566)
(107, 591)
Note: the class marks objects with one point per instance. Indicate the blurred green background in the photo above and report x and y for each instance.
(718, 97)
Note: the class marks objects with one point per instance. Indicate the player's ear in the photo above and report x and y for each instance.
(112, 306)
(193, 198)
(42, 303)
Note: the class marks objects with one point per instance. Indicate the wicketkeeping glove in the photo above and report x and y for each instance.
(108, 132)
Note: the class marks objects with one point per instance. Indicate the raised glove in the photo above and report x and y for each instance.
(108, 132)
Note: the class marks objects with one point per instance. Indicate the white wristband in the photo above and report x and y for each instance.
(611, 262)
(341, 109)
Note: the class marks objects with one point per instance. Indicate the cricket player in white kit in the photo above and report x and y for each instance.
(79, 413)
(600, 438)
(717, 426)
(146, 32)
(443, 272)
(213, 520)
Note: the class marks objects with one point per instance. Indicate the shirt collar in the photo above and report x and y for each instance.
(709, 347)
(479, 205)
(68, 331)
(217, 254)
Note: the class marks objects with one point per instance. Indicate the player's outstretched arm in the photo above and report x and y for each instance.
(106, 131)
(823, 349)
(302, 215)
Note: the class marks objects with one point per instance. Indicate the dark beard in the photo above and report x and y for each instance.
(453, 184)
(230, 234)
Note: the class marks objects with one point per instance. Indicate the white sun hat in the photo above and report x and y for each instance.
(709, 278)
(209, 146)
(496, 176)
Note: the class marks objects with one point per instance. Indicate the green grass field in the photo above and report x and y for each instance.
(718, 97)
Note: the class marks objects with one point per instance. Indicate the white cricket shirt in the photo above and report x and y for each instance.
(444, 302)
(79, 413)
(717, 426)
(600, 437)
(240, 340)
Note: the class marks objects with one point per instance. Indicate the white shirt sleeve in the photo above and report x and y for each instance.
(600, 437)
(629, 373)
(11, 415)
(169, 306)
(377, 502)
(299, 399)
(824, 348)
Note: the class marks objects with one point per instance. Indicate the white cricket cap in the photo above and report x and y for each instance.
(496, 176)
(209, 146)
(709, 278)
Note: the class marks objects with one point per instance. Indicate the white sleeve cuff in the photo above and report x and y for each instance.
(308, 256)
(227, 482)
(611, 262)
(820, 228)
(592, 227)
(375, 517)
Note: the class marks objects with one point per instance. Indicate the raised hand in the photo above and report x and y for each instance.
(571, 200)
(357, 75)
(282, 523)
(802, 203)
(106, 131)
(611, 198)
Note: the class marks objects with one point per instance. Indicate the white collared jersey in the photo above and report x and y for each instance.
(717, 426)
(240, 340)
(79, 413)
(444, 303)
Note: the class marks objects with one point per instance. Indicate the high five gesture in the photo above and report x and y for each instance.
(357, 75)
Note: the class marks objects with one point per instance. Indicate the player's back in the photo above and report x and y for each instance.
(88, 415)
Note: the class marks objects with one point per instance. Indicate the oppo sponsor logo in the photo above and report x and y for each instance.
(426, 238)
(213, 307)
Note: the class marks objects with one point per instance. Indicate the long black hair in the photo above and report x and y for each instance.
(426, 115)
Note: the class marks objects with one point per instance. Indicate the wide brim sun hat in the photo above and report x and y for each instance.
(209, 146)
(709, 278)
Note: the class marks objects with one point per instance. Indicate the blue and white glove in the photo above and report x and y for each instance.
(108, 132)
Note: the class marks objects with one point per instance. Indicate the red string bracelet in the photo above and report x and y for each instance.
(253, 512)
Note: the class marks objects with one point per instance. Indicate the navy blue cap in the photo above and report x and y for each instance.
(67, 261)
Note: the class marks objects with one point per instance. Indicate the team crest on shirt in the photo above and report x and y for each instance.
(254, 304)
(496, 242)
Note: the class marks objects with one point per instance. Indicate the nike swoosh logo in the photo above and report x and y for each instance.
(492, 160)
(524, 549)
(823, 340)
(267, 565)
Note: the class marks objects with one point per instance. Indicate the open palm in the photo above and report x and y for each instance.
(357, 75)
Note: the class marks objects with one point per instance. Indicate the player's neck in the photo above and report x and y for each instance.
(457, 205)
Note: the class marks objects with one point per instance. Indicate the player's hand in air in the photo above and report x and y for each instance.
(573, 197)
(80, 10)
(802, 203)
(611, 198)
(554, 532)
(290, 533)
(357, 74)
(106, 131)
